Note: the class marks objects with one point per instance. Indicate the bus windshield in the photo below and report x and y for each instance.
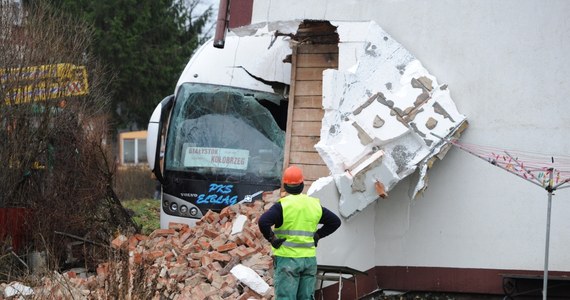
(224, 134)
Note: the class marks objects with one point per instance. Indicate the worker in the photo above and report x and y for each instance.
(295, 237)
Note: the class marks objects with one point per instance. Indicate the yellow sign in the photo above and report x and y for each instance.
(40, 83)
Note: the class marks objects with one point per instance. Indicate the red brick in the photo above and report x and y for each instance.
(250, 242)
(210, 217)
(204, 244)
(194, 264)
(103, 269)
(198, 293)
(226, 247)
(177, 226)
(234, 252)
(246, 252)
(216, 280)
(152, 255)
(226, 292)
(215, 266)
(230, 281)
(161, 232)
(197, 255)
(220, 256)
(206, 260)
(133, 242)
(248, 293)
(211, 233)
(141, 237)
(119, 242)
(228, 211)
(169, 256)
(220, 240)
(181, 259)
(137, 258)
(195, 248)
(185, 236)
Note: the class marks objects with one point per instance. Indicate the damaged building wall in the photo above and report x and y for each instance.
(385, 117)
(505, 63)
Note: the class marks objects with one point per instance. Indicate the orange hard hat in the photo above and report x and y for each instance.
(293, 175)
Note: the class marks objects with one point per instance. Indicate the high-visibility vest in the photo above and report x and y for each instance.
(301, 215)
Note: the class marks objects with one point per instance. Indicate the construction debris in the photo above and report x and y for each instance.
(17, 289)
(223, 257)
(385, 118)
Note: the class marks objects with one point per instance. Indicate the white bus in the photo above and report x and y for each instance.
(223, 130)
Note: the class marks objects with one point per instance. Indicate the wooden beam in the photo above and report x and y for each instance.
(306, 158)
(308, 114)
(288, 127)
(328, 60)
(309, 102)
(304, 143)
(306, 129)
(312, 73)
(308, 88)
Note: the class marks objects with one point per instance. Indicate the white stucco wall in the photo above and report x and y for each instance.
(507, 66)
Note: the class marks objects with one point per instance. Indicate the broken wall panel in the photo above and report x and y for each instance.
(384, 116)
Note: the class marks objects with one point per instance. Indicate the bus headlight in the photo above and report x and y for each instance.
(174, 206)
(193, 211)
(183, 209)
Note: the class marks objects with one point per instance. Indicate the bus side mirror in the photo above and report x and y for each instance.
(154, 135)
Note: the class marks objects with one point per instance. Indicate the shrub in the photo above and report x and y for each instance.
(134, 183)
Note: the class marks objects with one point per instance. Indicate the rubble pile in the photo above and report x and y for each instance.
(223, 257)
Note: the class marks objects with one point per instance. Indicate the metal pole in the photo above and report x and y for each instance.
(545, 279)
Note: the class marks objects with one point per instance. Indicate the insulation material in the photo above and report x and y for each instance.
(250, 278)
(237, 226)
(385, 117)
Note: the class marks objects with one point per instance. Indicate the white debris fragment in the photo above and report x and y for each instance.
(319, 184)
(238, 224)
(383, 115)
(17, 289)
(250, 278)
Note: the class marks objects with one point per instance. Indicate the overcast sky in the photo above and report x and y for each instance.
(203, 5)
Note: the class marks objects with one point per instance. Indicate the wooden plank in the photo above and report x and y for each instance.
(307, 158)
(314, 172)
(308, 114)
(310, 73)
(303, 143)
(308, 88)
(306, 129)
(309, 102)
(319, 48)
(328, 60)
(288, 130)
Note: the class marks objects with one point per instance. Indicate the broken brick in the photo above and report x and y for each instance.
(220, 256)
(192, 263)
(226, 247)
(119, 242)
(162, 232)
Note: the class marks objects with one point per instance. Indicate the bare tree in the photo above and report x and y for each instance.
(55, 156)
